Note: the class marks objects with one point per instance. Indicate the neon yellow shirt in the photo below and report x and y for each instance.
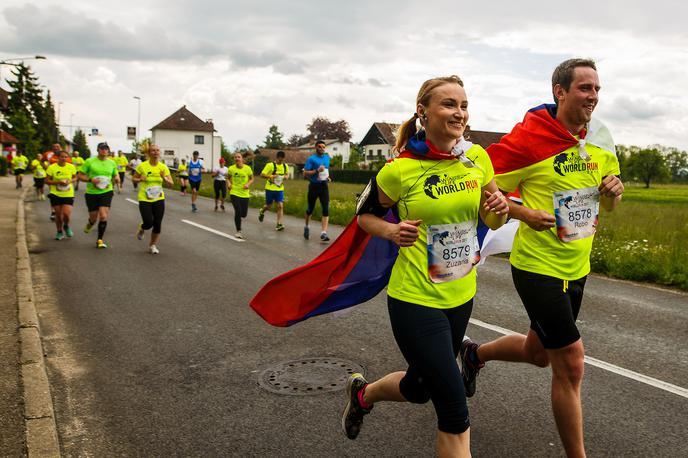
(77, 161)
(183, 170)
(105, 170)
(239, 177)
(121, 162)
(38, 170)
(20, 162)
(438, 193)
(151, 189)
(273, 168)
(544, 252)
(57, 173)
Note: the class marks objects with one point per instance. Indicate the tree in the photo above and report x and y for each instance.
(298, 140)
(677, 163)
(322, 128)
(225, 152)
(79, 144)
(355, 158)
(647, 165)
(24, 129)
(274, 139)
(47, 129)
(336, 161)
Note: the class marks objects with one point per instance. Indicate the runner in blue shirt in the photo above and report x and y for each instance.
(195, 170)
(317, 170)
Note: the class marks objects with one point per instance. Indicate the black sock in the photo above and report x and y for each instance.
(101, 229)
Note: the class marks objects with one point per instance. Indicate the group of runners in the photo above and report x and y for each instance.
(105, 173)
(433, 281)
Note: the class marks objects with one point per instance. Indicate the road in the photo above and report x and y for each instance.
(161, 356)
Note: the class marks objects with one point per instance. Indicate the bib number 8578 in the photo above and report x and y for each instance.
(456, 252)
(578, 215)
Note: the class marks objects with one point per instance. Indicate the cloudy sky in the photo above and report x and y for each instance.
(248, 64)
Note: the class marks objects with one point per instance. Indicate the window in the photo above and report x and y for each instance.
(379, 153)
(199, 139)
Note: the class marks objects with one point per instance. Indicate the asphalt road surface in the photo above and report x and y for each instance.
(161, 355)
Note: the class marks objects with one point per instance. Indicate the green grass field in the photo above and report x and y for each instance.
(644, 239)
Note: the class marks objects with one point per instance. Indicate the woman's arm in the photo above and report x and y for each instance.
(494, 207)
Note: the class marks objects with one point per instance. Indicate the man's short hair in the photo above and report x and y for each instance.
(195, 153)
(103, 145)
(563, 74)
(320, 142)
(280, 154)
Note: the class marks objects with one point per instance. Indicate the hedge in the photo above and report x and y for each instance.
(352, 176)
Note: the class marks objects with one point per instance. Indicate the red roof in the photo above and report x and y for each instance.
(183, 119)
(8, 138)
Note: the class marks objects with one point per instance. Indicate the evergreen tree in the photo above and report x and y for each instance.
(47, 129)
(80, 144)
(24, 129)
(274, 139)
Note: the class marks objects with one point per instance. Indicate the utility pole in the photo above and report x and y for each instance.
(138, 123)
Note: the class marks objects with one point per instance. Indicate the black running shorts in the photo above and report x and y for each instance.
(552, 305)
(57, 200)
(95, 201)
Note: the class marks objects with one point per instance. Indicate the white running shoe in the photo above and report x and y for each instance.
(153, 249)
(239, 235)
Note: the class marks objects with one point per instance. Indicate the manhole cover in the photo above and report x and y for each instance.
(308, 376)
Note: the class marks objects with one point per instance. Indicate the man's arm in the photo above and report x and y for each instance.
(611, 190)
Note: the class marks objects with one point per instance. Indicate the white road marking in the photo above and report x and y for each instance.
(662, 385)
(132, 201)
(209, 229)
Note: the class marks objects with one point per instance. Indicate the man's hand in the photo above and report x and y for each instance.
(406, 233)
(611, 186)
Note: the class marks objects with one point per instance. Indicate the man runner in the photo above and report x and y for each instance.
(195, 177)
(99, 172)
(317, 170)
(18, 165)
(563, 163)
(275, 173)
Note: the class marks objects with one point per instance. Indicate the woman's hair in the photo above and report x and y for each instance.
(408, 128)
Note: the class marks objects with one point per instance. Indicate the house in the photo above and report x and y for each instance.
(294, 157)
(378, 142)
(182, 133)
(380, 139)
(333, 147)
(8, 142)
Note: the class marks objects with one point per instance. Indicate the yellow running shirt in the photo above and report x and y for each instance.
(38, 170)
(183, 171)
(57, 173)
(121, 162)
(569, 183)
(151, 189)
(239, 177)
(273, 168)
(443, 194)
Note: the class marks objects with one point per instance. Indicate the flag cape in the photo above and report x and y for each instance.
(352, 270)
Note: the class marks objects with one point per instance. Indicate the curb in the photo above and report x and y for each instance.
(39, 416)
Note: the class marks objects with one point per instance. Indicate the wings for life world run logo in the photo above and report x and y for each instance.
(571, 162)
(437, 186)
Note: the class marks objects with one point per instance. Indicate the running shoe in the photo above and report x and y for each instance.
(153, 249)
(88, 228)
(239, 235)
(352, 417)
(101, 244)
(306, 232)
(261, 215)
(222, 207)
(193, 208)
(215, 208)
(68, 232)
(469, 369)
(279, 227)
(324, 237)
(52, 216)
(140, 233)
(59, 235)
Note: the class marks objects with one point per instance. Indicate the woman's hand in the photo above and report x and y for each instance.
(496, 203)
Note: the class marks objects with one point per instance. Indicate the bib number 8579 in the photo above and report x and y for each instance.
(456, 252)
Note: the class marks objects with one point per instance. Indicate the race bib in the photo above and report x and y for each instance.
(63, 187)
(153, 192)
(103, 182)
(195, 172)
(453, 250)
(324, 175)
(278, 180)
(40, 174)
(576, 211)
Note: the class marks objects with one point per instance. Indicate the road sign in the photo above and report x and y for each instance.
(131, 132)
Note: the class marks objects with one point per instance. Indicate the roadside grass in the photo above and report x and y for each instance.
(644, 239)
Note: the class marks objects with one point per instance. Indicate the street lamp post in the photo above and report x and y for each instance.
(138, 122)
(7, 61)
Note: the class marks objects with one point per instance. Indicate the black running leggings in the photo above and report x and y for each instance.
(240, 205)
(151, 214)
(430, 339)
